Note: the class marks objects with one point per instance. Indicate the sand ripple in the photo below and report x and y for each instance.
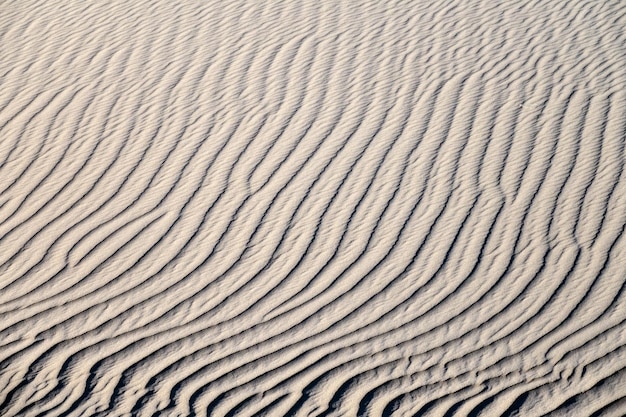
(307, 208)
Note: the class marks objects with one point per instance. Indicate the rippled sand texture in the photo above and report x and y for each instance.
(307, 208)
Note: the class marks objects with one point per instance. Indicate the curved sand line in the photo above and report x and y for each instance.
(402, 208)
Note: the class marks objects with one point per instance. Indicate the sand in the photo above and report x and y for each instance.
(312, 208)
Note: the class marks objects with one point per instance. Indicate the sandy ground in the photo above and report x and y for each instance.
(312, 208)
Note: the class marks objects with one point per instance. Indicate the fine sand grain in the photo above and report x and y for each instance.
(312, 208)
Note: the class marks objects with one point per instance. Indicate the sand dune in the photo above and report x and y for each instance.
(304, 208)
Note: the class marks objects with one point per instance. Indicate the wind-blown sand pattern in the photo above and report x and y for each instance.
(305, 208)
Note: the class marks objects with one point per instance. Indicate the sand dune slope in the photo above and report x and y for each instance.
(312, 208)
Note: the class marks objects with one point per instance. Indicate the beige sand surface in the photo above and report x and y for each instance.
(312, 208)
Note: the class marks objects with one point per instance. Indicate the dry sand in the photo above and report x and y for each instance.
(312, 208)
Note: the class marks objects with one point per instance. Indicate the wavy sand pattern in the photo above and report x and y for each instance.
(305, 208)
